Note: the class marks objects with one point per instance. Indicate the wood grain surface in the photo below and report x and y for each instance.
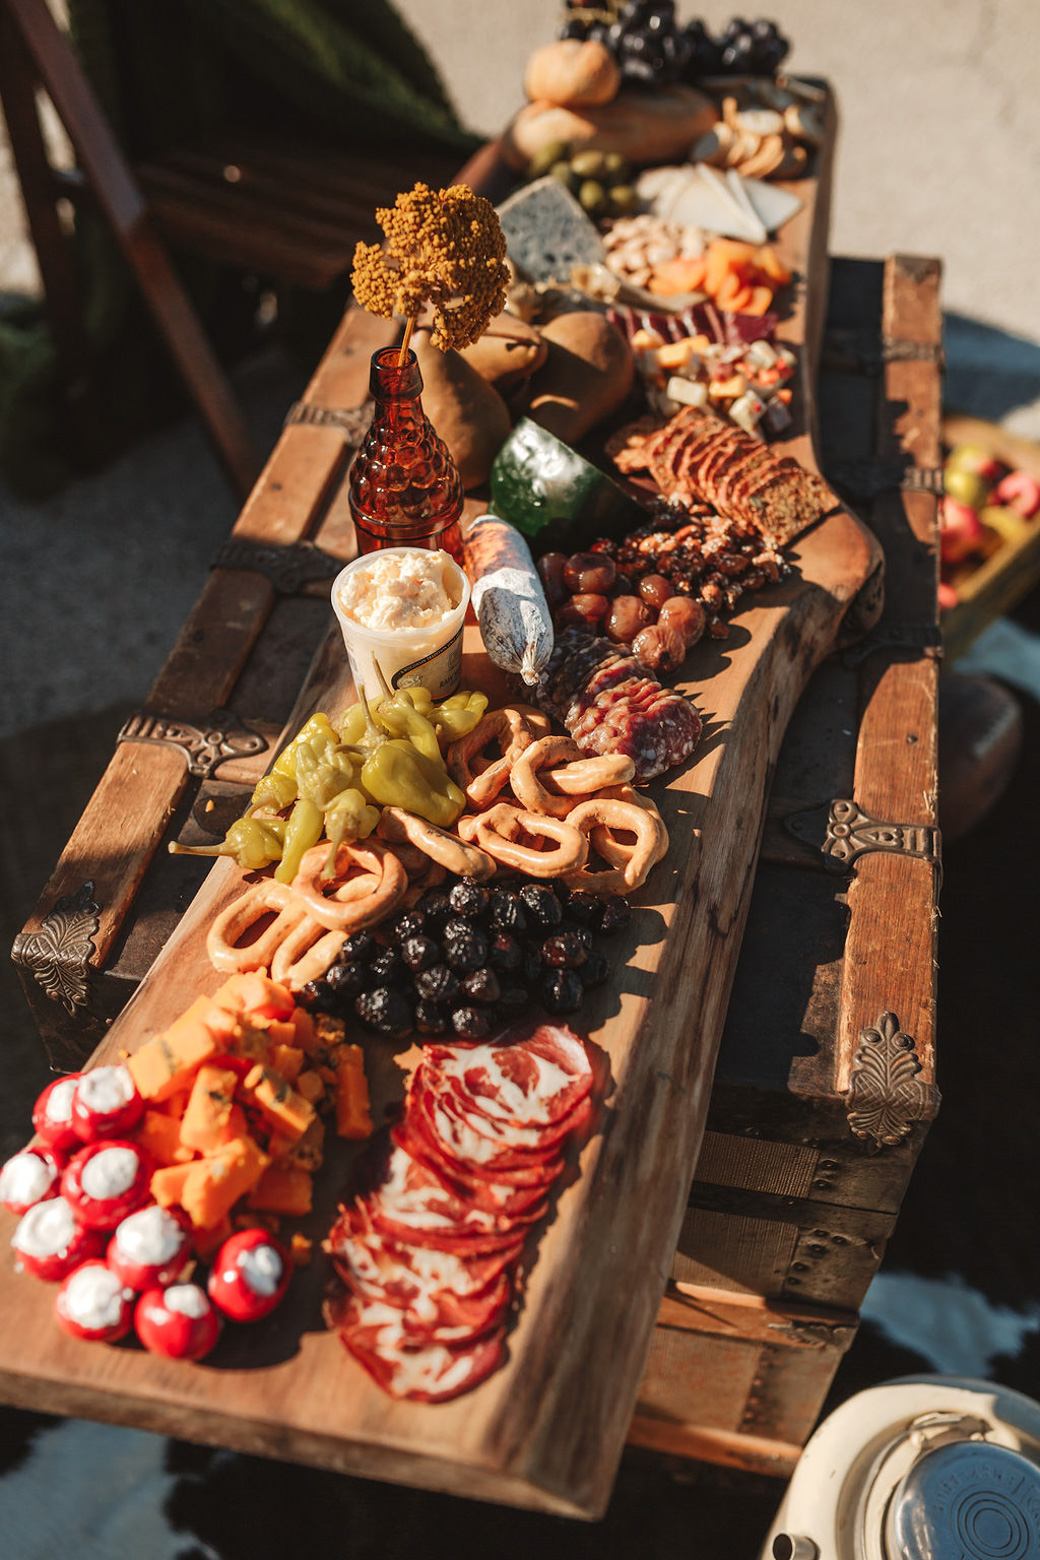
(547, 1430)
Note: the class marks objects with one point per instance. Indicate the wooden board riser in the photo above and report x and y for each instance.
(546, 1430)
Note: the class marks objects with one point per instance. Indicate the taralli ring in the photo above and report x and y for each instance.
(465, 860)
(586, 776)
(232, 924)
(514, 727)
(306, 953)
(498, 830)
(526, 785)
(600, 819)
(382, 881)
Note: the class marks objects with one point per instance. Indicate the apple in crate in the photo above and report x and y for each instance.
(961, 532)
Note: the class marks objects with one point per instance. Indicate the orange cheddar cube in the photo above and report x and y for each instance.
(353, 1113)
(213, 1185)
(160, 1135)
(167, 1184)
(287, 1060)
(256, 995)
(209, 1108)
(303, 1026)
(168, 1063)
(287, 1110)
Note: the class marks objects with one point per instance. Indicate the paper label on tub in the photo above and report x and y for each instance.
(439, 671)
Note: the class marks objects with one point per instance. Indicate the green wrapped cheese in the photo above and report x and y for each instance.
(557, 498)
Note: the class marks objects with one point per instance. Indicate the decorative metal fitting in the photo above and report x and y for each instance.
(287, 568)
(58, 955)
(886, 1097)
(352, 421)
(925, 637)
(204, 747)
(849, 833)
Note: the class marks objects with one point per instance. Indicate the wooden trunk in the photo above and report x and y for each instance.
(780, 1155)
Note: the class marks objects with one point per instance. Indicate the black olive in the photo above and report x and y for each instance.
(410, 924)
(617, 912)
(359, 945)
(564, 951)
(541, 906)
(595, 970)
(431, 1019)
(562, 991)
(318, 997)
(420, 952)
(507, 913)
(385, 1011)
(585, 908)
(471, 1023)
(465, 947)
(348, 978)
(505, 953)
(481, 986)
(469, 899)
(438, 984)
(388, 968)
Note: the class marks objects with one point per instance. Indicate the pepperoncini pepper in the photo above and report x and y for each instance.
(399, 714)
(349, 816)
(305, 828)
(397, 775)
(254, 842)
(457, 716)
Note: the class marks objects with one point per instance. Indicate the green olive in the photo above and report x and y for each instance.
(623, 199)
(589, 165)
(617, 168)
(566, 175)
(593, 197)
(543, 159)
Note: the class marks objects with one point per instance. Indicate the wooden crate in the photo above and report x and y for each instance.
(990, 587)
(789, 1211)
(813, 1132)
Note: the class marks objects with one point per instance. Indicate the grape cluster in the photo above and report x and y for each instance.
(470, 958)
(741, 49)
(653, 50)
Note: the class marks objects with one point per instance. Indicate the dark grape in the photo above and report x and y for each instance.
(565, 950)
(431, 1019)
(471, 1023)
(481, 986)
(385, 1011)
(469, 899)
(421, 952)
(360, 945)
(410, 924)
(505, 953)
(541, 906)
(465, 947)
(438, 984)
(595, 970)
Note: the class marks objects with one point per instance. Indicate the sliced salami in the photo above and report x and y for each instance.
(533, 1083)
(434, 1374)
(428, 1254)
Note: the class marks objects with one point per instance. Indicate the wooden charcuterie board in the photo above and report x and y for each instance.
(546, 1430)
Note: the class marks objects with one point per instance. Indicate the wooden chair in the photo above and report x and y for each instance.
(289, 211)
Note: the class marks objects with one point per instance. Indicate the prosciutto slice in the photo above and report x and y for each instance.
(430, 1256)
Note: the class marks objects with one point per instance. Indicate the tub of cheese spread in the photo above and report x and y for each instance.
(403, 608)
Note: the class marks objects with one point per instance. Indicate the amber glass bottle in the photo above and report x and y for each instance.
(404, 487)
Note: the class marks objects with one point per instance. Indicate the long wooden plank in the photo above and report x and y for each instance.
(547, 1429)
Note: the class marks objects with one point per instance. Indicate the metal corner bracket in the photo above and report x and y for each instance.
(58, 955)
(205, 746)
(886, 1097)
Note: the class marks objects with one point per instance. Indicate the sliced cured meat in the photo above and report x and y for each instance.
(428, 1255)
(504, 1145)
(441, 1318)
(532, 1083)
(498, 1197)
(421, 1279)
(431, 1375)
(482, 1155)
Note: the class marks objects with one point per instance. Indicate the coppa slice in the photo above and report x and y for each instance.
(419, 1278)
(483, 1191)
(428, 1375)
(533, 1082)
(504, 1136)
(477, 1142)
(413, 1205)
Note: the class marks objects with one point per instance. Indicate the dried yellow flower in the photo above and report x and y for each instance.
(443, 248)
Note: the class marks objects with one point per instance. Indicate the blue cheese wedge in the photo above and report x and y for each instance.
(547, 232)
